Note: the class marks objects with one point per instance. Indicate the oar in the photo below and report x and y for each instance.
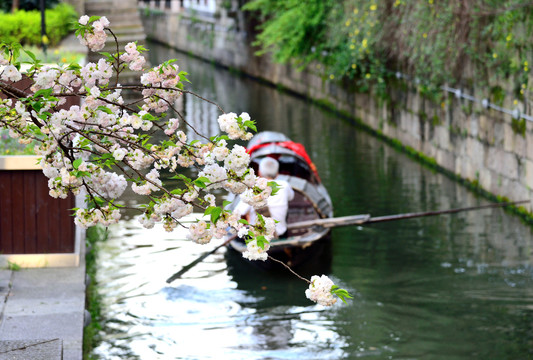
(192, 264)
(367, 219)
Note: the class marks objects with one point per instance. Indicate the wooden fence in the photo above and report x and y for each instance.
(31, 221)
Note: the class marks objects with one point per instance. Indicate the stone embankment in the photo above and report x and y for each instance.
(483, 146)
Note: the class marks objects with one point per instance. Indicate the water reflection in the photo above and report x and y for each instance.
(449, 287)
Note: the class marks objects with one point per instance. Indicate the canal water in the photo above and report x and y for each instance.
(447, 287)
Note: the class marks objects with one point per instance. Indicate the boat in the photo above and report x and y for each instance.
(311, 200)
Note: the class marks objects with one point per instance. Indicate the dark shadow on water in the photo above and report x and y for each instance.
(276, 286)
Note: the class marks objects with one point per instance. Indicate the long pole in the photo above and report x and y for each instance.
(347, 221)
(44, 38)
(367, 219)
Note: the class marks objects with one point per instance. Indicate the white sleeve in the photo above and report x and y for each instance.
(242, 208)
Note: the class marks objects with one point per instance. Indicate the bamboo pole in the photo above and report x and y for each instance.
(367, 219)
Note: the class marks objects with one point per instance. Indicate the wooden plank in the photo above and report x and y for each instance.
(66, 236)
(54, 224)
(30, 220)
(6, 225)
(42, 209)
(17, 210)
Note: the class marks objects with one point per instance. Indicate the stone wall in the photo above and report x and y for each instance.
(480, 145)
(79, 5)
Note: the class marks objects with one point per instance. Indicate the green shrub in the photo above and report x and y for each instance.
(25, 26)
(10, 146)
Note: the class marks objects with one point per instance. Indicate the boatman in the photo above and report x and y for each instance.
(277, 205)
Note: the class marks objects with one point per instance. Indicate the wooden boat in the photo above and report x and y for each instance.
(311, 199)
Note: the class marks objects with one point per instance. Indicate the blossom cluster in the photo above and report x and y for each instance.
(82, 147)
(94, 37)
(319, 290)
(133, 57)
(235, 126)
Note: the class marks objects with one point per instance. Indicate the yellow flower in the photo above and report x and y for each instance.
(443, 104)
(367, 76)
(495, 56)
(364, 43)
(347, 23)
(526, 63)
(522, 91)
(356, 11)
(356, 32)
(397, 3)
(424, 35)
(509, 37)
(352, 46)
(526, 68)
(63, 59)
(523, 86)
(331, 76)
(430, 2)
(354, 66)
(515, 102)
(373, 7)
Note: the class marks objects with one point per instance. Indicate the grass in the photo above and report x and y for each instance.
(10, 146)
(94, 236)
(52, 56)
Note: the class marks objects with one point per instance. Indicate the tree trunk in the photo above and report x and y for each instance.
(15, 6)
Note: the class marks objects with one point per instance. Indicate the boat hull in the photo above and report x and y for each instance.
(298, 254)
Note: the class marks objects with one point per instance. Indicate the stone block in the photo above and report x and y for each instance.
(499, 133)
(445, 159)
(473, 129)
(519, 145)
(529, 173)
(529, 145)
(475, 150)
(486, 178)
(508, 137)
(429, 149)
(442, 137)
(465, 169)
(502, 162)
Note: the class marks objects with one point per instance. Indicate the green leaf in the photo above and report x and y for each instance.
(275, 187)
(243, 221)
(226, 203)
(261, 241)
(31, 55)
(43, 93)
(36, 105)
(250, 124)
(341, 293)
(215, 214)
(93, 18)
(149, 117)
(199, 183)
(76, 164)
(105, 109)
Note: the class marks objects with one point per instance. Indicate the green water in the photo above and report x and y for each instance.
(447, 287)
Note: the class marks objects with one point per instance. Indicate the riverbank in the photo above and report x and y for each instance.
(482, 147)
